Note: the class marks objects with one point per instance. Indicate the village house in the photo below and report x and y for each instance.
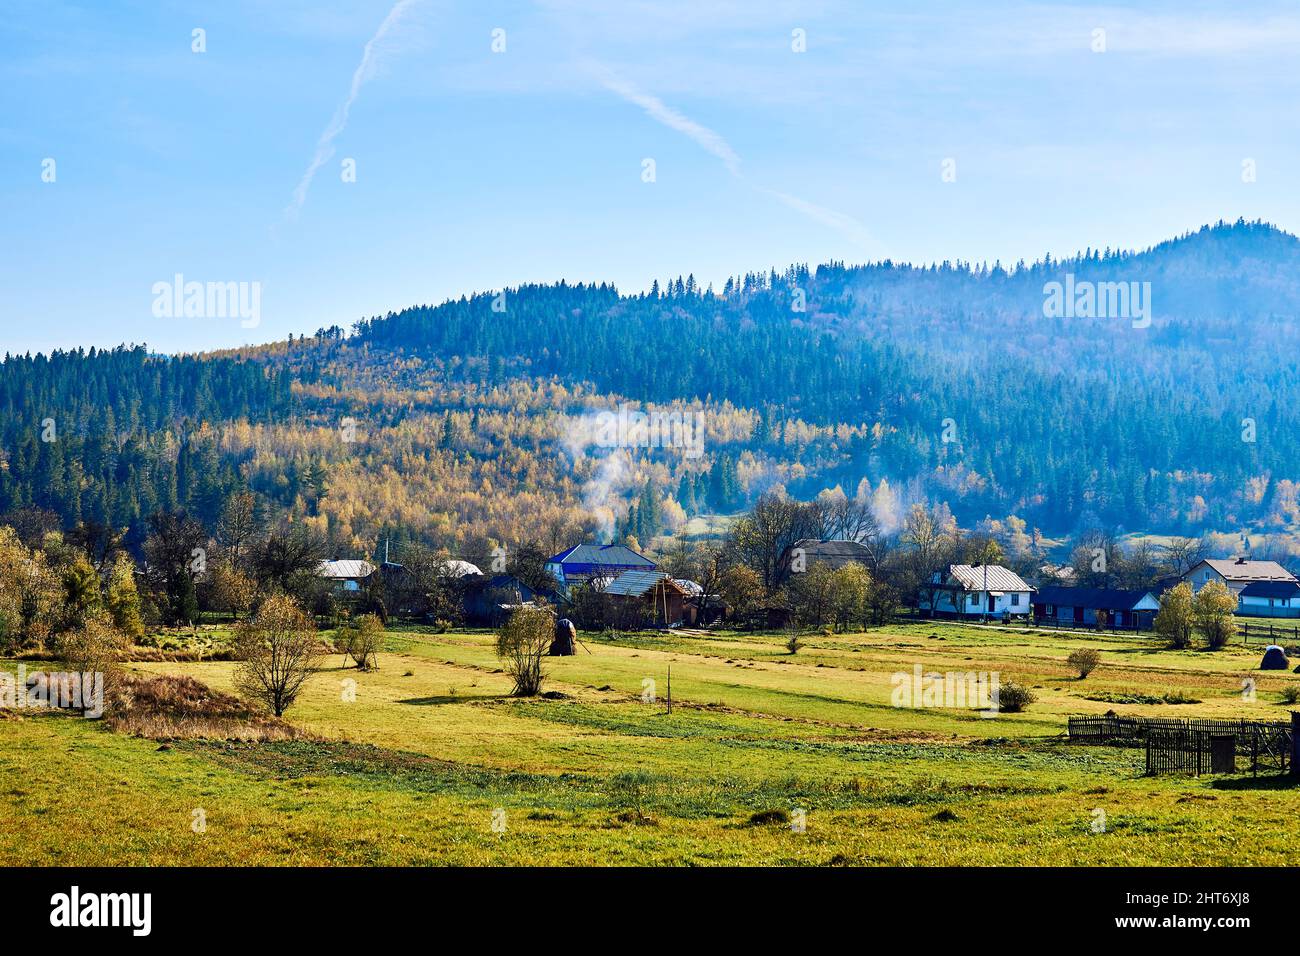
(1236, 573)
(346, 576)
(594, 563)
(806, 552)
(1110, 607)
(487, 600)
(977, 590)
(1270, 599)
(658, 597)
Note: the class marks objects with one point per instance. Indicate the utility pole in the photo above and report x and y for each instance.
(670, 688)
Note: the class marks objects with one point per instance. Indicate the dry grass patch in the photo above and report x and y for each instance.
(172, 707)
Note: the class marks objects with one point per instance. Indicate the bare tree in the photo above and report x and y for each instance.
(1183, 554)
(928, 545)
(278, 650)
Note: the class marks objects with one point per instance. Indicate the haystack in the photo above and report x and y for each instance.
(566, 637)
(1274, 659)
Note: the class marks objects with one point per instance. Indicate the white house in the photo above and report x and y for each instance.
(1236, 573)
(976, 590)
(1270, 599)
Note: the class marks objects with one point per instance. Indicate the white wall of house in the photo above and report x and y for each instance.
(1269, 607)
(1014, 602)
(1203, 574)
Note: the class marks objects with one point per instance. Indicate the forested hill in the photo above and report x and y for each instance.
(944, 383)
(1058, 419)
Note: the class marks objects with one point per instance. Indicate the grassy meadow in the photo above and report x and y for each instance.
(434, 762)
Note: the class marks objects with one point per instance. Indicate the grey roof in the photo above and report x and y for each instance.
(1236, 569)
(343, 570)
(693, 588)
(835, 553)
(999, 578)
(638, 583)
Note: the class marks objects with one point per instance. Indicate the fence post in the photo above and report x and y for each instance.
(1295, 743)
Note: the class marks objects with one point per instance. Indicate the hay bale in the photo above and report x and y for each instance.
(1274, 659)
(566, 638)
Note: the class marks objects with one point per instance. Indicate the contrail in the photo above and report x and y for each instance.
(364, 70)
(657, 110)
(713, 142)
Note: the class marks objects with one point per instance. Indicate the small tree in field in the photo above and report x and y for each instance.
(364, 638)
(1084, 660)
(1212, 611)
(277, 650)
(1174, 621)
(522, 644)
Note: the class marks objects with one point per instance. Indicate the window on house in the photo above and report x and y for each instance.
(1015, 600)
(974, 600)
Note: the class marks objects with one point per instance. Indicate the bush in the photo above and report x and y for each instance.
(1084, 660)
(1290, 694)
(360, 640)
(522, 644)
(1013, 697)
(792, 642)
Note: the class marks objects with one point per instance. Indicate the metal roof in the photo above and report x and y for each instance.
(998, 578)
(601, 555)
(1237, 569)
(341, 570)
(639, 583)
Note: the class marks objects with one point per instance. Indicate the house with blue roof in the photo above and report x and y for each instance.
(595, 562)
(1270, 599)
(1125, 608)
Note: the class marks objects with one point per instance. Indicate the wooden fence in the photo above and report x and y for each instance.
(1269, 634)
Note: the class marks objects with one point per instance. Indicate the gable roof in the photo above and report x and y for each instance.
(999, 578)
(601, 555)
(640, 583)
(342, 570)
(1101, 599)
(1240, 569)
(1271, 589)
(835, 553)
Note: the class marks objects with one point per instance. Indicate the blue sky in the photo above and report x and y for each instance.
(478, 169)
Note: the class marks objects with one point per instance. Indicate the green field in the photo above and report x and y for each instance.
(433, 750)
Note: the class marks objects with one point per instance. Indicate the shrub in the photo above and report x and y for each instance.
(1290, 694)
(1013, 697)
(792, 642)
(1212, 610)
(1084, 660)
(522, 644)
(364, 638)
